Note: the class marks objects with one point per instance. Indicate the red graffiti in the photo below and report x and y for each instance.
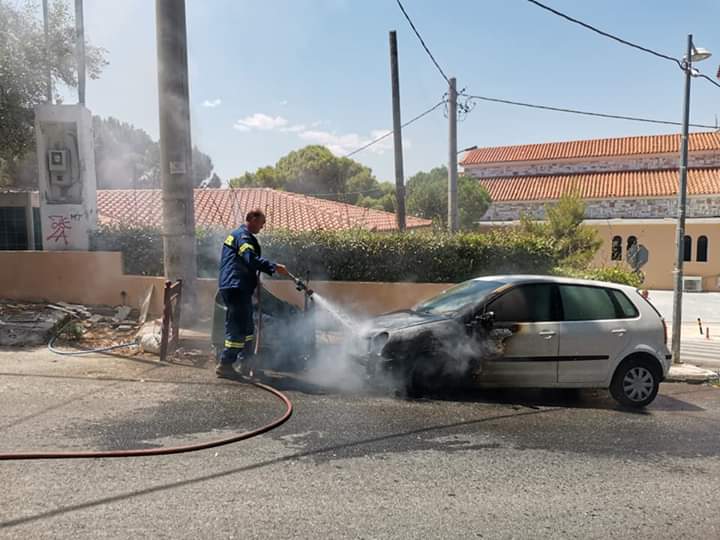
(59, 226)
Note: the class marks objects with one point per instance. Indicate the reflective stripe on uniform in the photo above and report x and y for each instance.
(234, 344)
(229, 240)
(249, 338)
(245, 247)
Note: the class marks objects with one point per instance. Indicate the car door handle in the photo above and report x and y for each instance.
(547, 334)
(619, 331)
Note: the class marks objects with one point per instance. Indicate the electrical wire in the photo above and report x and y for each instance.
(606, 34)
(81, 352)
(703, 76)
(585, 113)
(422, 41)
(386, 135)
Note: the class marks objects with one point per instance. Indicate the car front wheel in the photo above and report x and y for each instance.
(636, 383)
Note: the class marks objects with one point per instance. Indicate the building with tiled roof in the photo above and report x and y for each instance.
(630, 188)
(226, 208)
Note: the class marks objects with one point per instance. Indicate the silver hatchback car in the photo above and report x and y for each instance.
(527, 331)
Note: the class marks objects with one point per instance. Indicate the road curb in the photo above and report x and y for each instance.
(688, 373)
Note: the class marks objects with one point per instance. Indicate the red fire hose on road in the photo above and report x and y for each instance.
(164, 451)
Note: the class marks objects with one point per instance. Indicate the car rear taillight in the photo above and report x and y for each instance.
(644, 295)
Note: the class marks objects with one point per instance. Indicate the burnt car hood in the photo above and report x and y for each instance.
(401, 320)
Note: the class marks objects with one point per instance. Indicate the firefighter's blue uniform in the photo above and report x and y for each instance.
(240, 263)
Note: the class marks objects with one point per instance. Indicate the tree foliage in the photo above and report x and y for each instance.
(575, 244)
(23, 71)
(127, 157)
(315, 170)
(427, 197)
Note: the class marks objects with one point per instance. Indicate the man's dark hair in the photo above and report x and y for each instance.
(254, 214)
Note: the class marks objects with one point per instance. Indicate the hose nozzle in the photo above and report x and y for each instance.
(301, 286)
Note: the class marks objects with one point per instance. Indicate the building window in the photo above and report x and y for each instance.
(616, 254)
(687, 248)
(702, 246)
(631, 246)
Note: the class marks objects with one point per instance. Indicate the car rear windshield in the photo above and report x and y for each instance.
(458, 297)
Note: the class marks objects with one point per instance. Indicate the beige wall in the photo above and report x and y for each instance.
(96, 278)
(659, 239)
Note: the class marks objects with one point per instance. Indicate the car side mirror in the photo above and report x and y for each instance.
(484, 320)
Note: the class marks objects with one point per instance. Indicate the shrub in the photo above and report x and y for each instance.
(356, 255)
(613, 274)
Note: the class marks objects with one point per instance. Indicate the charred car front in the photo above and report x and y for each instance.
(447, 337)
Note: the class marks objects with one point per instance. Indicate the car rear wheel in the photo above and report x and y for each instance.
(636, 383)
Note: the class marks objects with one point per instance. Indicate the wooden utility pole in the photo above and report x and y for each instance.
(175, 149)
(453, 221)
(397, 134)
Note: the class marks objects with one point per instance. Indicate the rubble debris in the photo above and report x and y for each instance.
(149, 337)
(121, 313)
(28, 324)
(145, 304)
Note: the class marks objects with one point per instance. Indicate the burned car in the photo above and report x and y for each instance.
(525, 331)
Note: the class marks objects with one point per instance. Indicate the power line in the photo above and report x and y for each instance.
(422, 42)
(703, 76)
(585, 113)
(386, 135)
(606, 34)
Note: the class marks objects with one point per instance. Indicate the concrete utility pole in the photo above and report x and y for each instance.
(48, 72)
(80, 49)
(397, 133)
(453, 221)
(682, 202)
(176, 150)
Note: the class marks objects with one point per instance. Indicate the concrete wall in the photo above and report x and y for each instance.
(97, 278)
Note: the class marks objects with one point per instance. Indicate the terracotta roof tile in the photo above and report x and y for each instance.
(226, 208)
(601, 185)
(593, 148)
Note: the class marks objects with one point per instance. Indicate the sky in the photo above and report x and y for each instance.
(267, 78)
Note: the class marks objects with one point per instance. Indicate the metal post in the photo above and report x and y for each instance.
(175, 149)
(80, 49)
(682, 202)
(453, 221)
(48, 71)
(397, 133)
(30, 222)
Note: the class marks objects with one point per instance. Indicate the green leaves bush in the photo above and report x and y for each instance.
(352, 255)
(614, 274)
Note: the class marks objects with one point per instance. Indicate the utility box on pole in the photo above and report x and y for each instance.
(66, 176)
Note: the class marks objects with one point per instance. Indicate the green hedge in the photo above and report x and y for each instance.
(352, 255)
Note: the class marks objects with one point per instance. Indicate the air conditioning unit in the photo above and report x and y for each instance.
(692, 284)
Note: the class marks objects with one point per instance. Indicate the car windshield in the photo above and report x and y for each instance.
(458, 297)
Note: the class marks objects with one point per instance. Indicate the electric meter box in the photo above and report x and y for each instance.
(67, 184)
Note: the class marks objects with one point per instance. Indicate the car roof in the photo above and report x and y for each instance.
(517, 279)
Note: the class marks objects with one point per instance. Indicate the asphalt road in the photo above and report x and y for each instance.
(359, 465)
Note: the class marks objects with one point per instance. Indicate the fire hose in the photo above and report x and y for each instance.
(161, 451)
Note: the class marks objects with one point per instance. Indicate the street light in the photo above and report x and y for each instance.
(693, 55)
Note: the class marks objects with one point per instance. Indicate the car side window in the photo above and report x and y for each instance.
(524, 303)
(627, 308)
(587, 303)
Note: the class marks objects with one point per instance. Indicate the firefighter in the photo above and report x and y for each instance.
(240, 264)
